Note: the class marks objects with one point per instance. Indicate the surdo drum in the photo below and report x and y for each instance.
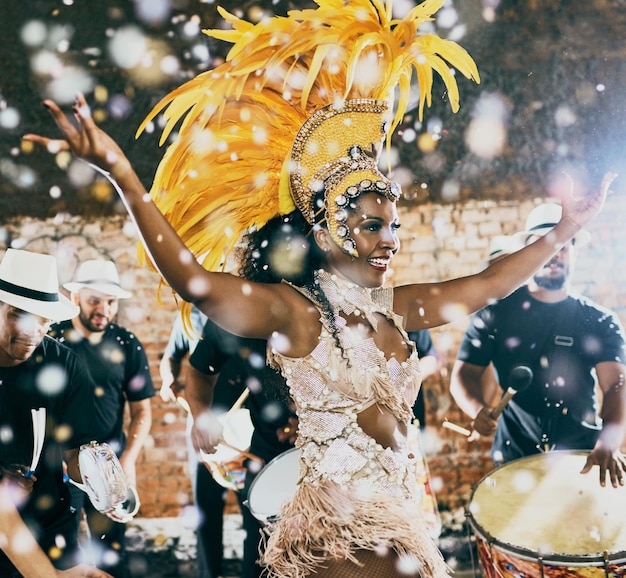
(540, 517)
(274, 485)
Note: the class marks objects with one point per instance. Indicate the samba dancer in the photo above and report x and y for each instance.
(288, 125)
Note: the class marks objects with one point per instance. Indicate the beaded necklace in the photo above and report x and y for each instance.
(352, 299)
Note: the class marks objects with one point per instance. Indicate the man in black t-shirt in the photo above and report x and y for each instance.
(118, 365)
(570, 344)
(430, 363)
(47, 411)
(222, 366)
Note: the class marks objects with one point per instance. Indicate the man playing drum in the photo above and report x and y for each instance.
(570, 343)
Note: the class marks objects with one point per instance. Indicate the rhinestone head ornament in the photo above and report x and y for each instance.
(335, 160)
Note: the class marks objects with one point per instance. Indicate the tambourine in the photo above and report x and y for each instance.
(105, 483)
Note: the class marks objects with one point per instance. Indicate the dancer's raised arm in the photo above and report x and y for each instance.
(430, 305)
(209, 291)
(88, 142)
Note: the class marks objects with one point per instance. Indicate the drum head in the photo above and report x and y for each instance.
(238, 430)
(543, 506)
(275, 485)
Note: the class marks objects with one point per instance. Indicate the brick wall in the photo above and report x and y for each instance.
(439, 242)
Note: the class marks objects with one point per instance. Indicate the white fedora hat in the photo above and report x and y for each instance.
(501, 245)
(100, 275)
(30, 282)
(543, 218)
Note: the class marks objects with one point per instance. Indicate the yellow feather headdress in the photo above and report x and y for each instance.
(300, 100)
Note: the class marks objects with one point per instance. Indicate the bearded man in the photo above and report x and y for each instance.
(118, 365)
(572, 345)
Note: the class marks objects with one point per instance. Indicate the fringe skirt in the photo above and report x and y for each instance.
(327, 525)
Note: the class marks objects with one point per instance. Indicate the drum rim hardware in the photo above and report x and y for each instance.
(601, 558)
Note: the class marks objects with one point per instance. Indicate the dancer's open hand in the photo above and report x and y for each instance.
(580, 211)
(84, 139)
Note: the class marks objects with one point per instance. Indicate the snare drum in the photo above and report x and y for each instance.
(227, 464)
(274, 486)
(540, 517)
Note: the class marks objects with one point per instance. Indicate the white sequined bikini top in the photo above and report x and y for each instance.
(357, 374)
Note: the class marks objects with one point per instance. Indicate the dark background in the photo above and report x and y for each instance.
(559, 68)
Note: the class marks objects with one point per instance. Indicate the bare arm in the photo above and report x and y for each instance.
(71, 459)
(490, 386)
(207, 430)
(611, 376)
(138, 431)
(169, 370)
(474, 392)
(20, 546)
(606, 453)
(430, 305)
(241, 307)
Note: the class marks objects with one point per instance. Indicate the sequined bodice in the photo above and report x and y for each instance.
(332, 384)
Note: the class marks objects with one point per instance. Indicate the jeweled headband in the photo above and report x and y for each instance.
(336, 152)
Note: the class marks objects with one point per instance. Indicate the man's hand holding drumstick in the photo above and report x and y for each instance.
(486, 420)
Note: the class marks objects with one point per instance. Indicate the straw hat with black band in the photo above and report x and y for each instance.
(29, 281)
(100, 275)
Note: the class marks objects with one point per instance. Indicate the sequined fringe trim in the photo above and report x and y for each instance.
(334, 520)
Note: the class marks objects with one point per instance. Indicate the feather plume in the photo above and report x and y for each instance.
(221, 174)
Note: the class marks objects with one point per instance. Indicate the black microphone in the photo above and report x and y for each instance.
(519, 379)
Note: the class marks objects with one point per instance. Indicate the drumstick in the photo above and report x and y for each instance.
(183, 403)
(244, 453)
(519, 380)
(456, 428)
(222, 442)
(240, 400)
(208, 462)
